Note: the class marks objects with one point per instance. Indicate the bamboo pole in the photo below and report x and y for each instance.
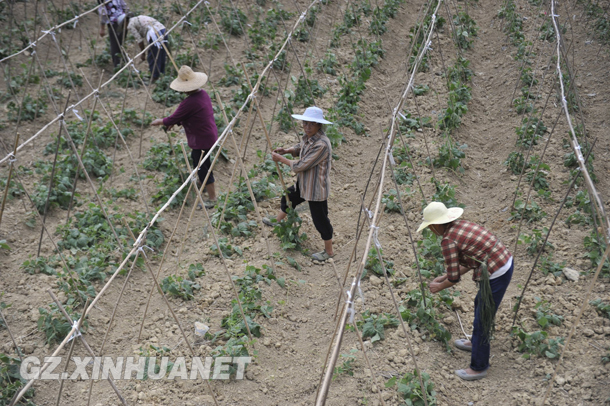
(224, 264)
(252, 196)
(84, 147)
(269, 144)
(156, 284)
(84, 341)
(116, 305)
(321, 398)
(10, 175)
(46, 206)
(17, 349)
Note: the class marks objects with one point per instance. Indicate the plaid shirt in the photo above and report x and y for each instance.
(468, 244)
(313, 167)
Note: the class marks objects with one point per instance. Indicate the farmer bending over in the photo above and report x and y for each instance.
(196, 115)
(144, 27)
(465, 246)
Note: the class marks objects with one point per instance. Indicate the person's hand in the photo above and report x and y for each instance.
(276, 157)
(102, 32)
(158, 121)
(143, 57)
(281, 151)
(436, 287)
(440, 279)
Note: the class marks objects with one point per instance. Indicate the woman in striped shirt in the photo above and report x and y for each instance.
(313, 177)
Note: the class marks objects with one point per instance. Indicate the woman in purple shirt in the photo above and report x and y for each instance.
(196, 115)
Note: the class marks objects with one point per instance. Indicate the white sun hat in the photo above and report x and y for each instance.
(438, 213)
(188, 80)
(314, 114)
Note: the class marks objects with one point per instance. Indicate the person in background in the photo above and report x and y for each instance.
(313, 177)
(113, 14)
(144, 27)
(196, 115)
(467, 246)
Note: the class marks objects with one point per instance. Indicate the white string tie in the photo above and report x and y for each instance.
(428, 46)
(303, 14)
(350, 307)
(368, 212)
(360, 293)
(207, 3)
(391, 156)
(186, 22)
(76, 114)
(11, 158)
(133, 66)
(375, 236)
(50, 32)
(402, 115)
(141, 249)
(564, 100)
(556, 15)
(74, 25)
(33, 45)
(76, 332)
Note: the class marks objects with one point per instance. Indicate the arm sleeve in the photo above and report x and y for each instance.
(183, 110)
(314, 156)
(103, 15)
(452, 260)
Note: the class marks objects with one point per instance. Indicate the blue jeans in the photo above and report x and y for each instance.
(479, 360)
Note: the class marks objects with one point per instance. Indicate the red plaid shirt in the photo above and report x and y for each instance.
(467, 244)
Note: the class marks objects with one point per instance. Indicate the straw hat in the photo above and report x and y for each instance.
(437, 213)
(188, 80)
(313, 114)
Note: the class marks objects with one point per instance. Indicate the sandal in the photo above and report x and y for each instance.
(209, 204)
(321, 256)
(467, 377)
(461, 344)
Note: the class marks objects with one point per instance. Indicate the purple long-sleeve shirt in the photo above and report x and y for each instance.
(196, 115)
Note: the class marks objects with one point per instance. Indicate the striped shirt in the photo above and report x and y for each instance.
(144, 27)
(111, 11)
(468, 244)
(313, 167)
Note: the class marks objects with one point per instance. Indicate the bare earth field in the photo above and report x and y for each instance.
(296, 310)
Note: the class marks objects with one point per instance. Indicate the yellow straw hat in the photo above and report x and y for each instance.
(438, 213)
(188, 80)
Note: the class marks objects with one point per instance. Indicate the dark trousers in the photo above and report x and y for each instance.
(116, 34)
(479, 360)
(156, 57)
(319, 211)
(196, 155)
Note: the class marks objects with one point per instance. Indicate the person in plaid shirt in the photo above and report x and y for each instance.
(466, 246)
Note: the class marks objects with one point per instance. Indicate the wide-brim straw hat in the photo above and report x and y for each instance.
(312, 114)
(188, 80)
(438, 213)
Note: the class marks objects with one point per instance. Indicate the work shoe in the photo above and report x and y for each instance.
(209, 204)
(269, 222)
(461, 344)
(321, 256)
(467, 377)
